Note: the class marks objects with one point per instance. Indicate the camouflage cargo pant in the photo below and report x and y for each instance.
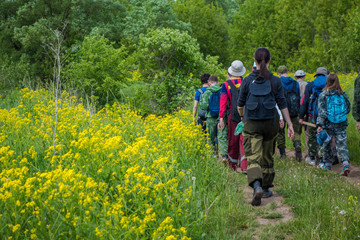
(259, 137)
(341, 146)
(314, 149)
(211, 124)
(223, 140)
(297, 133)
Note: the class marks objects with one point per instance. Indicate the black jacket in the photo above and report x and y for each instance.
(276, 86)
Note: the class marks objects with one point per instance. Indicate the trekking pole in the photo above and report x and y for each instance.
(309, 124)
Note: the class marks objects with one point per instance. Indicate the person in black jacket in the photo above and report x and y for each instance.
(259, 94)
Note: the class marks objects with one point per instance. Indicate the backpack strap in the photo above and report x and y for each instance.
(201, 91)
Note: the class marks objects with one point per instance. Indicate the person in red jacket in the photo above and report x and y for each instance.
(229, 94)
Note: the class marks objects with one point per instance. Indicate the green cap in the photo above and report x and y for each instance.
(282, 69)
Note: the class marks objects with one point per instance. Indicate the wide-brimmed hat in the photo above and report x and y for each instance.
(300, 73)
(236, 69)
(321, 71)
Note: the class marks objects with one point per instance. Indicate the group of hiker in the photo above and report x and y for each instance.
(245, 118)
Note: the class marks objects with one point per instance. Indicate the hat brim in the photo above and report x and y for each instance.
(236, 74)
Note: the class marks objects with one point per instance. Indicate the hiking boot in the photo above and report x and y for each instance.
(298, 154)
(258, 193)
(267, 193)
(282, 153)
(345, 172)
(310, 160)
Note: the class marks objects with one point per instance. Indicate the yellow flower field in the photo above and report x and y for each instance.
(112, 175)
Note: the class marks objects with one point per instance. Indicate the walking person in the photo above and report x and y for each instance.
(334, 105)
(300, 78)
(259, 94)
(198, 94)
(356, 102)
(210, 102)
(229, 95)
(292, 96)
(309, 112)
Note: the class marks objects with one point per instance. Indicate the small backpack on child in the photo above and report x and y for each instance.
(202, 112)
(336, 108)
(214, 103)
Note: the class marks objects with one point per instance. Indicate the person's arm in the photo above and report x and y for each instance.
(322, 114)
(223, 102)
(286, 116)
(356, 102)
(281, 120)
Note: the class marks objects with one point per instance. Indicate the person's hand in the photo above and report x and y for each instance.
(282, 124)
(319, 129)
(301, 121)
(290, 131)
(221, 124)
(358, 125)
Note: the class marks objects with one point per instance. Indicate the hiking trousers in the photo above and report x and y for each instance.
(341, 146)
(211, 124)
(223, 139)
(235, 144)
(313, 147)
(259, 137)
(281, 140)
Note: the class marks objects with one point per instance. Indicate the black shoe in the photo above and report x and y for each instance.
(267, 193)
(282, 152)
(258, 193)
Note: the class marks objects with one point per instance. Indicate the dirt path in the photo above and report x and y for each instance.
(353, 178)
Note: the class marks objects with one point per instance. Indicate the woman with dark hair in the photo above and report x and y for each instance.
(333, 106)
(259, 94)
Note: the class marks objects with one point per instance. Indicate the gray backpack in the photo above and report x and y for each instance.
(202, 112)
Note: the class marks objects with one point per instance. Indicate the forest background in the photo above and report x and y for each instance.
(150, 53)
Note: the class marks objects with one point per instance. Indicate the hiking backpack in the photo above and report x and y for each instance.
(235, 116)
(202, 112)
(260, 102)
(318, 85)
(214, 104)
(292, 101)
(336, 108)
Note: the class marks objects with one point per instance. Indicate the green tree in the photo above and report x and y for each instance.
(98, 69)
(168, 60)
(208, 24)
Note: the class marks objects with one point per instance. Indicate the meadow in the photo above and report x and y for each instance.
(114, 174)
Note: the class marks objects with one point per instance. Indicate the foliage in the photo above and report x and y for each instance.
(118, 175)
(166, 59)
(209, 26)
(98, 68)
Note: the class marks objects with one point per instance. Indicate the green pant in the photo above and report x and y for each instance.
(259, 137)
(297, 133)
(313, 147)
(223, 140)
(211, 124)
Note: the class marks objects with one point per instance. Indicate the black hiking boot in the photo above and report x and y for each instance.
(282, 153)
(298, 154)
(258, 193)
(267, 193)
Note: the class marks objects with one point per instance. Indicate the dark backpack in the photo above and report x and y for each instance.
(202, 112)
(235, 116)
(260, 101)
(214, 103)
(292, 101)
(318, 85)
(336, 108)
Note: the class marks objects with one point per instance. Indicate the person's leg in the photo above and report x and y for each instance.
(281, 142)
(243, 160)
(327, 155)
(211, 124)
(312, 143)
(223, 141)
(297, 138)
(233, 144)
(342, 149)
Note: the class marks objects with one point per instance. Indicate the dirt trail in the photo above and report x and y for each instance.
(353, 178)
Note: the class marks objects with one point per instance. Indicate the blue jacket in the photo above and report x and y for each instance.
(288, 82)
